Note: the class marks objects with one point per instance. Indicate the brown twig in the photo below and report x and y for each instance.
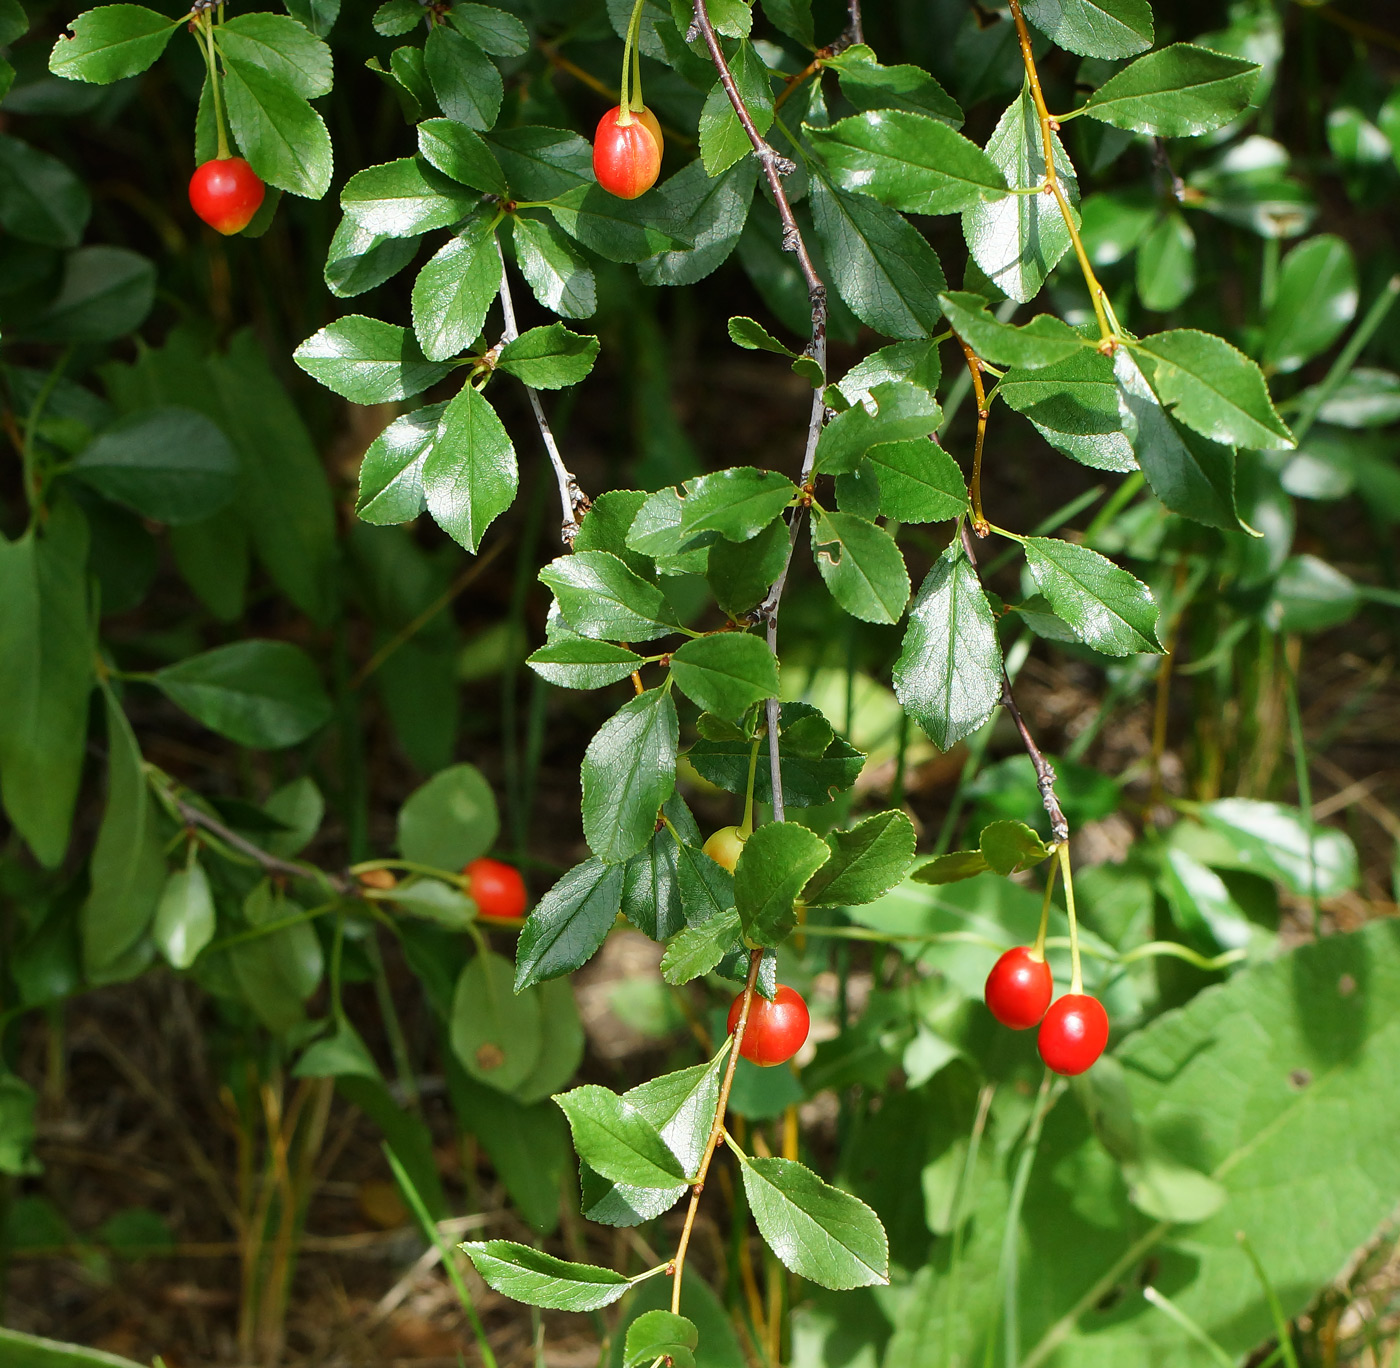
(856, 28)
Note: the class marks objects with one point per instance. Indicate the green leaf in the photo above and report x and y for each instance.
(1316, 299)
(394, 18)
(405, 198)
(915, 164)
(737, 503)
(578, 663)
(726, 673)
(184, 920)
(342, 1055)
(819, 1232)
(560, 278)
(774, 867)
(170, 464)
(723, 140)
(368, 362)
(464, 79)
(1017, 241)
(660, 1335)
(570, 923)
(434, 901)
(707, 213)
(918, 481)
(601, 598)
(651, 891)
(542, 163)
(1212, 387)
(896, 410)
(318, 16)
(915, 361)
(563, 1042)
(455, 150)
(280, 46)
(752, 336)
(606, 525)
(1009, 847)
(949, 675)
(41, 200)
(1272, 839)
(358, 260)
(1310, 596)
(539, 1279)
(1107, 608)
(284, 140)
(793, 17)
(265, 694)
(1180, 91)
(551, 357)
(698, 949)
(616, 1141)
(106, 293)
(127, 872)
(740, 573)
(1166, 264)
(861, 564)
(1075, 406)
(629, 770)
(953, 867)
(866, 862)
(881, 265)
(495, 1032)
(47, 654)
(470, 474)
(869, 85)
(391, 474)
(1041, 342)
(1094, 28)
(30, 1351)
(618, 230)
(111, 42)
(454, 290)
(497, 31)
(449, 821)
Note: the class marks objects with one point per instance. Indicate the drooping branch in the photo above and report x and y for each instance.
(573, 502)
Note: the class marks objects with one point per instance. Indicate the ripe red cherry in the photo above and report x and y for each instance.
(627, 157)
(226, 193)
(776, 1030)
(1073, 1033)
(497, 889)
(1019, 989)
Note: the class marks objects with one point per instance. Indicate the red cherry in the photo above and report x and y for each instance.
(1019, 989)
(776, 1030)
(1073, 1034)
(627, 157)
(226, 193)
(497, 889)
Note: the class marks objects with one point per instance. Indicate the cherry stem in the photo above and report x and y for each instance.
(1038, 953)
(631, 64)
(206, 42)
(746, 826)
(1076, 978)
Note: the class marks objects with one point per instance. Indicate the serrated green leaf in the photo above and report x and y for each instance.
(600, 597)
(539, 1279)
(559, 277)
(280, 46)
(737, 503)
(1180, 91)
(570, 922)
(470, 473)
(740, 573)
(358, 260)
(367, 361)
(496, 31)
(550, 357)
(869, 85)
(1108, 609)
(111, 42)
(583, 664)
(459, 152)
(1076, 406)
(660, 1335)
(1094, 28)
(284, 140)
(918, 481)
(454, 290)
(629, 771)
(901, 410)
(615, 1140)
(391, 474)
(744, 332)
(1041, 342)
(953, 867)
(723, 140)
(774, 866)
(1008, 847)
(916, 361)
(405, 198)
(465, 80)
(861, 564)
(698, 949)
(866, 862)
(706, 213)
(618, 230)
(726, 673)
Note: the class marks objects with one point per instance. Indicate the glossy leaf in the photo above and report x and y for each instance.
(578, 663)
(284, 140)
(897, 410)
(737, 503)
(1009, 847)
(616, 1141)
(466, 82)
(453, 291)
(726, 673)
(706, 213)
(1106, 607)
(1316, 299)
(551, 357)
(391, 474)
(629, 770)
(569, 923)
(774, 867)
(862, 566)
(1180, 91)
(698, 949)
(1041, 342)
(280, 46)
(660, 1335)
(866, 862)
(868, 84)
(111, 42)
(918, 481)
(557, 274)
(459, 152)
(1272, 839)
(470, 474)
(1094, 28)
(405, 198)
(539, 1279)
(723, 140)
(368, 362)
(601, 598)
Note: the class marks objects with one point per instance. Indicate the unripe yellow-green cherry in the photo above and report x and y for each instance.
(725, 847)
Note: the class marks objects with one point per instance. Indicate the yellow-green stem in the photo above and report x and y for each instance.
(631, 64)
(206, 29)
(1038, 952)
(746, 826)
(1076, 979)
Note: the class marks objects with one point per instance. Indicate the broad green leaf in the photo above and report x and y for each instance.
(434, 901)
(819, 1232)
(629, 770)
(184, 920)
(358, 260)
(128, 862)
(1316, 299)
(869, 85)
(1009, 847)
(706, 888)
(651, 890)
(449, 821)
(341, 1055)
(1310, 595)
(793, 17)
(284, 140)
(774, 867)
(394, 18)
(915, 164)
(949, 676)
(881, 265)
(464, 79)
(470, 474)
(1107, 608)
(569, 923)
(607, 525)
(495, 1031)
(752, 336)
(542, 163)
(895, 411)
(866, 862)
(559, 277)
(561, 1051)
(915, 361)
(318, 16)
(1018, 240)
(1272, 839)
(41, 200)
(111, 42)
(706, 212)
(1041, 342)
(496, 31)
(391, 474)
(726, 673)
(453, 291)
(579, 663)
(1212, 387)
(280, 46)
(106, 292)
(368, 362)
(1166, 264)
(265, 694)
(31, 1351)
(1094, 28)
(698, 949)
(457, 151)
(601, 598)
(660, 1335)
(737, 503)
(550, 357)
(1201, 901)
(861, 564)
(47, 656)
(918, 481)
(953, 867)
(170, 464)
(1075, 406)
(740, 573)
(723, 140)
(616, 1141)
(1180, 91)
(539, 1279)
(405, 198)
(618, 230)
